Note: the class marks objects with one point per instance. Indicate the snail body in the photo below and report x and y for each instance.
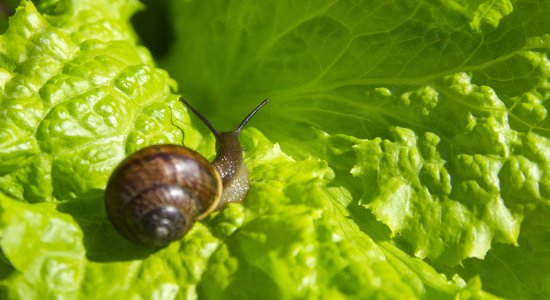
(156, 194)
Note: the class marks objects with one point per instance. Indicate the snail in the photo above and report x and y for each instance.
(155, 195)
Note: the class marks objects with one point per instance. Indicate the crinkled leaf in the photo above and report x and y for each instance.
(432, 114)
(413, 137)
(76, 98)
(522, 271)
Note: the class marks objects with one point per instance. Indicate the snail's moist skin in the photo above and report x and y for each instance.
(229, 163)
(170, 178)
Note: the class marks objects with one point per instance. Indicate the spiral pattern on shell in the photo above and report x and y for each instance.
(156, 194)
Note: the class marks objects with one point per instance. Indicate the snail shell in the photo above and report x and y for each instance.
(156, 194)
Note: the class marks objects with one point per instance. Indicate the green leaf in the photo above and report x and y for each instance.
(404, 153)
(44, 250)
(522, 271)
(76, 98)
(433, 115)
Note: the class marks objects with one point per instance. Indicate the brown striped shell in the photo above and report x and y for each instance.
(156, 194)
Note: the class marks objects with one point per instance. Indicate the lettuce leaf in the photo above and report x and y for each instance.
(404, 153)
(433, 115)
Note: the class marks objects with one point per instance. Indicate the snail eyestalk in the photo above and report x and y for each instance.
(250, 115)
(212, 128)
(200, 116)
